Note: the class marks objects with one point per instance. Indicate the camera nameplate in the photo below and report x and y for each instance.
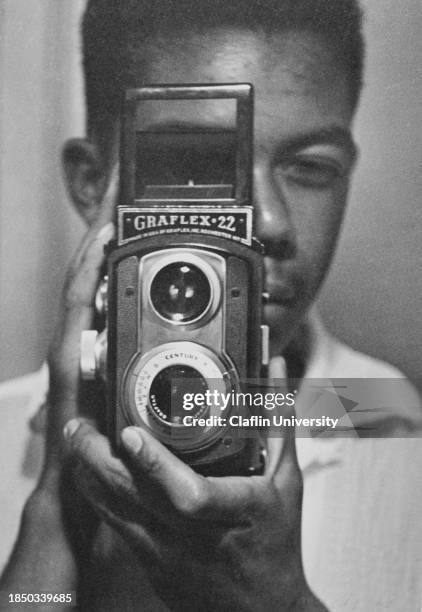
(233, 222)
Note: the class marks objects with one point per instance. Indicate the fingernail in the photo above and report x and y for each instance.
(70, 428)
(277, 368)
(132, 440)
(106, 233)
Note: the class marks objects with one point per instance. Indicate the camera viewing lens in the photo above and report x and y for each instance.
(168, 389)
(180, 292)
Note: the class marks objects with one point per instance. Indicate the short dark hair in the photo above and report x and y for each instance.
(112, 29)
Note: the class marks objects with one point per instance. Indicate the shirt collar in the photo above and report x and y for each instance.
(315, 452)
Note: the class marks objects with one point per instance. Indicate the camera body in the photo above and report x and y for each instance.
(182, 298)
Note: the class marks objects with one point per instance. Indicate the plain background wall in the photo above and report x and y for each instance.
(40, 106)
(372, 298)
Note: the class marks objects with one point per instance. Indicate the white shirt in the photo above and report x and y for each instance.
(362, 507)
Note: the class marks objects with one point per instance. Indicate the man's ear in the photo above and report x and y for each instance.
(85, 177)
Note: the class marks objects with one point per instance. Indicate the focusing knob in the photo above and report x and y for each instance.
(101, 297)
(88, 354)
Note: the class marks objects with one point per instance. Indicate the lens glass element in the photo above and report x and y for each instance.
(180, 292)
(168, 393)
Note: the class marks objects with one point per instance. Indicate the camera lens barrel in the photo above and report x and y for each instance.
(168, 389)
(182, 286)
(159, 388)
(180, 292)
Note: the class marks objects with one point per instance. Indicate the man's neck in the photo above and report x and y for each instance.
(297, 352)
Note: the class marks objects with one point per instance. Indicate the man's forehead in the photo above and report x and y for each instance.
(287, 69)
(295, 59)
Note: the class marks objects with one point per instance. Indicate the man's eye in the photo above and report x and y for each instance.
(311, 172)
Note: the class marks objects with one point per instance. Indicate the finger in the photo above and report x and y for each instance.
(106, 215)
(153, 542)
(78, 301)
(276, 374)
(138, 536)
(168, 489)
(84, 271)
(167, 560)
(106, 501)
(93, 450)
(154, 463)
(115, 484)
(109, 200)
(282, 460)
(161, 558)
(190, 495)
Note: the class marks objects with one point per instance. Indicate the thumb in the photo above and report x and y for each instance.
(281, 447)
(275, 443)
(153, 464)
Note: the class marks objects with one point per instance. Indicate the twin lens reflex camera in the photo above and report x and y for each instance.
(181, 299)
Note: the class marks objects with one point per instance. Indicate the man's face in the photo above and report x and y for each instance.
(303, 153)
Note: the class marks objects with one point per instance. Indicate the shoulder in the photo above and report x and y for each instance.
(348, 362)
(381, 389)
(330, 357)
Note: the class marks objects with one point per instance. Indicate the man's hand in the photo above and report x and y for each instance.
(66, 398)
(56, 527)
(228, 543)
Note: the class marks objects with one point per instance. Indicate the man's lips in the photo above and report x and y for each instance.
(285, 282)
(280, 293)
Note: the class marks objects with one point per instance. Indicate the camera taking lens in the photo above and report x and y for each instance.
(169, 388)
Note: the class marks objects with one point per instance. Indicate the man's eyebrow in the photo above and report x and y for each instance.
(335, 135)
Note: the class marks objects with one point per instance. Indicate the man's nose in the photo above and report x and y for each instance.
(273, 226)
